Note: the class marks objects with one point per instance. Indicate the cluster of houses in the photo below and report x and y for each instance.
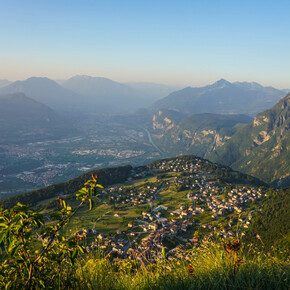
(207, 197)
(178, 165)
(151, 246)
(135, 196)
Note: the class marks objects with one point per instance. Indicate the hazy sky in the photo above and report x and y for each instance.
(175, 42)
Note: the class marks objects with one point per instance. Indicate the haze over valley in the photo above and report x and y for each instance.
(52, 132)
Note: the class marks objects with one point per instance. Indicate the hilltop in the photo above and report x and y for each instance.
(172, 199)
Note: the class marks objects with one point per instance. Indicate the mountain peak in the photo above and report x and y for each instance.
(38, 79)
(221, 83)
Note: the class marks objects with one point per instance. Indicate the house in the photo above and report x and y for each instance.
(101, 236)
(153, 226)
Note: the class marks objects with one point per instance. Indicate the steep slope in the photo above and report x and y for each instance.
(22, 118)
(45, 91)
(271, 224)
(198, 134)
(165, 120)
(221, 97)
(262, 147)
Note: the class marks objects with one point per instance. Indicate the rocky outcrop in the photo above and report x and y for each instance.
(262, 148)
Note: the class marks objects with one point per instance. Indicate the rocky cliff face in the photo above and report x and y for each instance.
(263, 147)
(197, 134)
(163, 121)
(260, 147)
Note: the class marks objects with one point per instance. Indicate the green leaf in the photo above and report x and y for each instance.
(91, 203)
(81, 249)
(41, 283)
(74, 254)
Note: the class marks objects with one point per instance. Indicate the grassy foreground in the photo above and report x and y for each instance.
(208, 267)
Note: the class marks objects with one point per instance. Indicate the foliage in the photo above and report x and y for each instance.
(270, 229)
(35, 253)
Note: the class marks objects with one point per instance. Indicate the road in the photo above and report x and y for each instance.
(151, 141)
(154, 197)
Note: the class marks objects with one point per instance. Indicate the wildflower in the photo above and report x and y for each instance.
(229, 248)
(236, 245)
(190, 270)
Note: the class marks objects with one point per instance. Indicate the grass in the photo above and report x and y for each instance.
(204, 268)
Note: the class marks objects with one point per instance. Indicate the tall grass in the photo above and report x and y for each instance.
(207, 267)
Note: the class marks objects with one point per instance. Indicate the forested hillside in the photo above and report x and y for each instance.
(270, 229)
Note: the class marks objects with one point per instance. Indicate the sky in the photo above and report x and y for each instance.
(189, 43)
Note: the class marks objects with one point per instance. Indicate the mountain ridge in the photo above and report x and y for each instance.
(46, 91)
(221, 97)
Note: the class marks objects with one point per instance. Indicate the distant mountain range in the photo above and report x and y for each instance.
(102, 95)
(221, 97)
(24, 119)
(85, 93)
(45, 91)
(191, 120)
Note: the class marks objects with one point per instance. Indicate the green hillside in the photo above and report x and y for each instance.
(262, 147)
(270, 229)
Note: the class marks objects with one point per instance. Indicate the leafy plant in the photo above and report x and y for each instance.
(36, 253)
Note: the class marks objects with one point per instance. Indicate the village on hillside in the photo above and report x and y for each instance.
(181, 205)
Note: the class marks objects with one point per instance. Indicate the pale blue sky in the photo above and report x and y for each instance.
(173, 42)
